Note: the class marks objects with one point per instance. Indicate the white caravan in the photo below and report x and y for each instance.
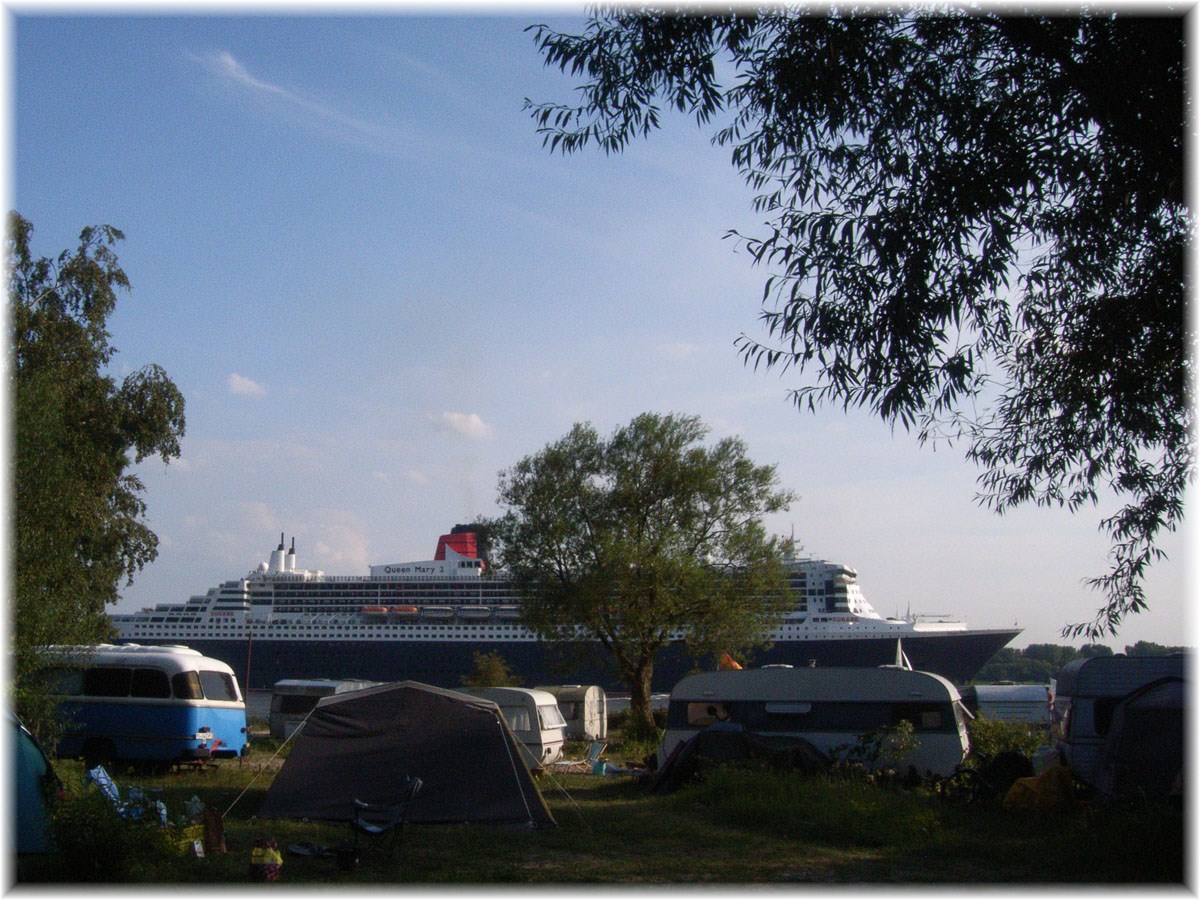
(294, 698)
(829, 707)
(584, 707)
(533, 717)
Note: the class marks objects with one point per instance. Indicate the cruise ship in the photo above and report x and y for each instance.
(427, 620)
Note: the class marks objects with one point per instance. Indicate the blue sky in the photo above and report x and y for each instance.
(376, 290)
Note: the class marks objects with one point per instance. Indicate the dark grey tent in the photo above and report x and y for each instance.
(1143, 752)
(362, 745)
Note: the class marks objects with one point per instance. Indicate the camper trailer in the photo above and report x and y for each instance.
(533, 717)
(829, 707)
(294, 698)
(1024, 703)
(1088, 691)
(584, 707)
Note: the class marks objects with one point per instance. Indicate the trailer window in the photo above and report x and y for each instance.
(789, 709)
(706, 713)
(550, 717)
(924, 716)
(518, 718)
(297, 704)
(857, 718)
(1102, 713)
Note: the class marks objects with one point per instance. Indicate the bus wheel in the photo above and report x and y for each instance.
(99, 752)
(153, 767)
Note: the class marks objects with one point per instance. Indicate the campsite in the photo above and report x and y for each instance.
(738, 825)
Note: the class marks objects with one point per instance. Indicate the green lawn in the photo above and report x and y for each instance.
(736, 827)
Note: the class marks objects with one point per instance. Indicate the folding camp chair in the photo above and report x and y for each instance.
(593, 757)
(582, 766)
(384, 822)
(135, 806)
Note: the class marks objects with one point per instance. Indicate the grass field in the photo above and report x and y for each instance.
(736, 827)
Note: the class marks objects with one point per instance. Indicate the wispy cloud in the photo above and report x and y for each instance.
(244, 387)
(319, 116)
(678, 351)
(464, 425)
(223, 64)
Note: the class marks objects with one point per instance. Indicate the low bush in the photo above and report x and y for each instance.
(990, 737)
(99, 845)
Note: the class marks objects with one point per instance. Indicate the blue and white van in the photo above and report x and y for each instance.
(146, 704)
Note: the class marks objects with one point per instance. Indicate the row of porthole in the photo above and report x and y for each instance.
(361, 630)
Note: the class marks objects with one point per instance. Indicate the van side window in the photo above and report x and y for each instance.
(218, 686)
(107, 682)
(186, 686)
(64, 681)
(150, 683)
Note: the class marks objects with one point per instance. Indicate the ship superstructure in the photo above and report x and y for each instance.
(426, 620)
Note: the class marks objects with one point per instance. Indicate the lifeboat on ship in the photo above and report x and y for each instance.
(404, 612)
(375, 612)
(474, 613)
(437, 612)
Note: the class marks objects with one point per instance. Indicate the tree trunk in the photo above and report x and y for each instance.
(641, 717)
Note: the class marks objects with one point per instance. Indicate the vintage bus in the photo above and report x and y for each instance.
(146, 704)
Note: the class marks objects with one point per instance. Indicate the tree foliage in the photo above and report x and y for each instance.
(642, 538)
(78, 527)
(975, 228)
(491, 670)
(1038, 663)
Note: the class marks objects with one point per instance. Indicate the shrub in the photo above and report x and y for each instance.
(992, 736)
(98, 845)
(491, 670)
(623, 731)
(886, 746)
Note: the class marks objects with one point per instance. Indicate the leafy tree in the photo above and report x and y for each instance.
(491, 670)
(641, 539)
(1055, 655)
(976, 228)
(1149, 648)
(1036, 664)
(78, 528)
(1016, 668)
